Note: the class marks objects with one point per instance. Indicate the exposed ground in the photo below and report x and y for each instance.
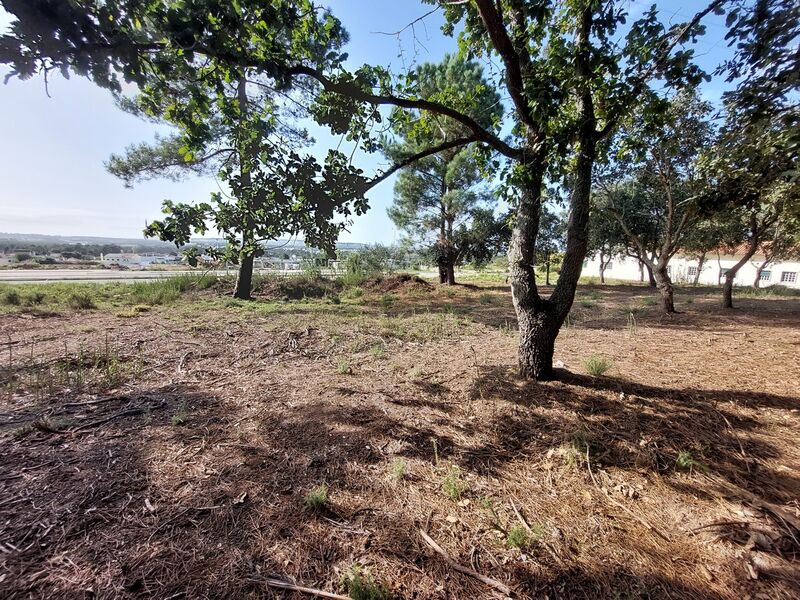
(168, 451)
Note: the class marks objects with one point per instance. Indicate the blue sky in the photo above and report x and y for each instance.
(52, 149)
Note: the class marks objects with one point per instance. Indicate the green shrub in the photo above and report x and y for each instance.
(34, 298)
(522, 538)
(343, 366)
(485, 299)
(316, 498)
(12, 298)
(387, 300)
(453, 485)
(399, 468)
(362, 586)
(597, 365)
(80, 301)
(686, 462)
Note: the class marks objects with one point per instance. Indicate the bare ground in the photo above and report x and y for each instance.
(167, 453)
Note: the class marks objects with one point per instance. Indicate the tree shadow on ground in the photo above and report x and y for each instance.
(631, 425)
(201, 496)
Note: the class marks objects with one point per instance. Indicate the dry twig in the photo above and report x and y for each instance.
(462, 569)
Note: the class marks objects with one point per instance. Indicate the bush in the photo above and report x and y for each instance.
(11, 297)
(370, 261)
(81, 302)
(597, 365)
(34, 298)
(168, 289)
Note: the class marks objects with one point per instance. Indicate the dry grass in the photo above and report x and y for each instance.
(674, 475)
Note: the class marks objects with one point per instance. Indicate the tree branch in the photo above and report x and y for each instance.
(353, 91)
(463, 141)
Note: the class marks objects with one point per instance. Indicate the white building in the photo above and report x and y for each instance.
(128, 259)
(683, 269)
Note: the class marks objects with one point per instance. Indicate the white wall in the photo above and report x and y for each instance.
(627, 269)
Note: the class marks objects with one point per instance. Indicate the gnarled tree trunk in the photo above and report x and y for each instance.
(730, 276)
(665, 288)
(760, 269)
(701, 261)
(651, 280)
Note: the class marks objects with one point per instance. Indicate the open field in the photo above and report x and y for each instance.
(161, 440)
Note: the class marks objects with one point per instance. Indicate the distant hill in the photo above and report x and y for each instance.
(150, 244)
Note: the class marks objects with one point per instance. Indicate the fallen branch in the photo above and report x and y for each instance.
(462, 569)
(124, 413)
(92, 402)
(285, 585)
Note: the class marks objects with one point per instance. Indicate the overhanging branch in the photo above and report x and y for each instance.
(353, 91)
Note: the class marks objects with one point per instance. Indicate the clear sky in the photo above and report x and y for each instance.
(52, 178)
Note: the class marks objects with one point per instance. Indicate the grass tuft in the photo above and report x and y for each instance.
(686, 462)
(597, 365)
(453, 484)
(316, 499)
(399, 469)
(362, 586)
(343, 366)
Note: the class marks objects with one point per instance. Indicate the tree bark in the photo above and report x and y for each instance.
(760, 269)
(665, 288)
(442, 273)
(547, 270)
(651, 280)
(540, 319)
(538, 330)
(757, 282)
(244, 279)
(701, 261)
(451, 273)
(727, 288)
(602, 268)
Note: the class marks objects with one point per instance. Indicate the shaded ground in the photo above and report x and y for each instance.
(166, 451)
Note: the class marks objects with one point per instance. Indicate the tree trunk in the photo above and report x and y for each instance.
(701, 260)
(757, 282)
(665, 288)
(536, 340)
(442, 273)
(727, 288)
(641, 271)
(547, 270)
(451, 273)
(540, 319)
(602, 268)
(650, 277)
(538, 330)
(244, 280)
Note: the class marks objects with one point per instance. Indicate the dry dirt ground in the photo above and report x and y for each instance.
(168, 452)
